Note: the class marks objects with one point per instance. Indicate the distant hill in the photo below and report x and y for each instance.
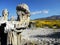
(55, 17)
(48, 22)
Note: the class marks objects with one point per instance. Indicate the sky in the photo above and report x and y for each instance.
(38, 8)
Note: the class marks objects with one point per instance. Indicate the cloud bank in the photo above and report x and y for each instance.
(40, 12)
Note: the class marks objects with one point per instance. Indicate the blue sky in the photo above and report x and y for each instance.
(38, 8)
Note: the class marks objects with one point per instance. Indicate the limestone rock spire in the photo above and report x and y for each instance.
(5, 14)
(23, 14)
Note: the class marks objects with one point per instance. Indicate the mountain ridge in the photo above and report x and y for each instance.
(54, 17)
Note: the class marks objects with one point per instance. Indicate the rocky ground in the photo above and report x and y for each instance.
(41, 36)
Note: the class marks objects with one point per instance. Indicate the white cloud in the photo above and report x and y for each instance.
(45, 11)
(40, 12)
(36, 12)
